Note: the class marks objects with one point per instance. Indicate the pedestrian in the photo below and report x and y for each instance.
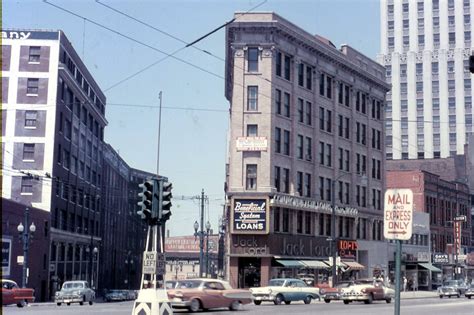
(414, 284)
(405, 282)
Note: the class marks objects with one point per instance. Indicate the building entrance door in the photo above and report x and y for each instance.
(249, 272)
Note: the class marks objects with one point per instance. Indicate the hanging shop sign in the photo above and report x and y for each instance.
(250, 216)
(309, 204)
(347, 248)
(440, 259)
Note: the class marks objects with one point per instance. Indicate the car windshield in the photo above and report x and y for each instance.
(72, 285)
(276, 283)
(344, 285)
(188, 284)
(451, 283)
(115, 291)
(170, 284)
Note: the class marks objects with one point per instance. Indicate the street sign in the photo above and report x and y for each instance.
(160, 264)
(398, 214)
(460, 218)
(149, 262)
(20, 260)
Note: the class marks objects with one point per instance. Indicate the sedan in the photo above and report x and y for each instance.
(469, 292)
(202, 294)
(12, 294)
(285, 290)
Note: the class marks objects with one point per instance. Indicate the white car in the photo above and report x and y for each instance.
(367, 290)
(75, 292)
(285, 290)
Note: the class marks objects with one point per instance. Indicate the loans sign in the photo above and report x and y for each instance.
(398, 214)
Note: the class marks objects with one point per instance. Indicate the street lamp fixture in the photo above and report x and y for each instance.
(25, 237)
(201, 235)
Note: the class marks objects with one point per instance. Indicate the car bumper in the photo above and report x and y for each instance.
(358, 297)
(72, 299)
(331, 297)
(178, 303)
(450, 293)
(264, 298)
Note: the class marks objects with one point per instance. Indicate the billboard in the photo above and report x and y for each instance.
(190, 244)
(250, 216)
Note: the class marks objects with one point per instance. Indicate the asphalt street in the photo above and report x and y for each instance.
(427, 306)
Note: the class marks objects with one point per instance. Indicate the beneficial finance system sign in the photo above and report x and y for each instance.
(250, 216)
(398, 214)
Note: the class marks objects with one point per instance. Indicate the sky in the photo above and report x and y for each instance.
(195, 110)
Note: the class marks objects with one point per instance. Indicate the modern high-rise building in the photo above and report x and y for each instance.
(425, 47)
(306, 137)
(53, 119)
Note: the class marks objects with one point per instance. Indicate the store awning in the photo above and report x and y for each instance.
(316, 264)
(430, 267)
(290, 263)
(354, 265)
(340, 265)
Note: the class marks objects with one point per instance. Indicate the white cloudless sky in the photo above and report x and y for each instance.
(193, 141)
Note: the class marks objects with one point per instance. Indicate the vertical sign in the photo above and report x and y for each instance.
(149, 262)
(6, 256)
(457, 237)
(398, 214)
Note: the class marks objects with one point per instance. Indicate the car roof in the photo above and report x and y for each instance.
(8, 280)
(284, 279)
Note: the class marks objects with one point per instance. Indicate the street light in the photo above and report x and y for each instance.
(25, 237)
(201, 235)
(208, 230)
(333, 224)
(92, 253)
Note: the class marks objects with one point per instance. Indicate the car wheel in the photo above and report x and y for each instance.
(459, 295)
(58, 304)
(235, 306)
(346, 301)
(469, 297)
(91, 302)
(449, 296)
(307, 300)
(195, 305)
(327, 301)
(257, 302)
(369, 300)
(287, 302)
(388, 300)
(68, 304)
(278, 299)
(21, 303)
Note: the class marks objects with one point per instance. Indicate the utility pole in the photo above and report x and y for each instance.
(201, 237)
(160, 95)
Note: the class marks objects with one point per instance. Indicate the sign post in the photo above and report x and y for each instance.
(398, 224)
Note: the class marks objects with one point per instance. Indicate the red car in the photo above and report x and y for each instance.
(204, 294)
(12, 294)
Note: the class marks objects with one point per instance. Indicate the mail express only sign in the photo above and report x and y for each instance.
(398, 214)
(250, 216)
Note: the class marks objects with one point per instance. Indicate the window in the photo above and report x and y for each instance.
(286, 221)
(436, 38)
(279, 56)
(321, 153)
(278, 101)
(435, 4)
(32, 86)
(452, 38)
(405, 7)
(467, 84)
(31, 118)
(406, 40)
(434, 68)
(276, 220)
(406, 24)
(309, 150)
(390, 25)
(28, 152)
(34, 54)
(287, 67)
(451, 20)
(301, 74)
(419, 68)
(309, 77)
(421, 39)
(467, 19)
(419, 87)
(421, 22)
(420, 6)
(391, 42)
(299, 183)
(451, 85)
(252, 130)
(299, 147)
(328, 154)
(286, 181)
(277, 178)
(27, 185)
(325, 85)
(390, 9)
(467, 36)
(450, 66)
(252, 98)
(307, 185)
(450, 4)
(286, 142)
(286, 104)
(251, 182)
(66, 159)
(277, 140)
(308, 113)
(300, 110)
(252, 59)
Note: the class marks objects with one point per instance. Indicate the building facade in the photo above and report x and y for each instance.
(443, 201)
(306, 131)
(425, 47)
(54, 117)
(38, 250)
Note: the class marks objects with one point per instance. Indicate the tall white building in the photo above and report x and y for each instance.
(425, 47)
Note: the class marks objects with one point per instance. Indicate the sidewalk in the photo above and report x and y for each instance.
(418, 294)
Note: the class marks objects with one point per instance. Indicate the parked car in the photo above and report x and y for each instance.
(366, 290)
(470, 291)
(285, 290)
(452, 288)
(115, 295)
(75, 292)
(329, 294)
(13, 294)
(203, 294)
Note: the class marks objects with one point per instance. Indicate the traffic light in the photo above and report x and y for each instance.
(146, 202)
(164, 210)
(471, 63)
